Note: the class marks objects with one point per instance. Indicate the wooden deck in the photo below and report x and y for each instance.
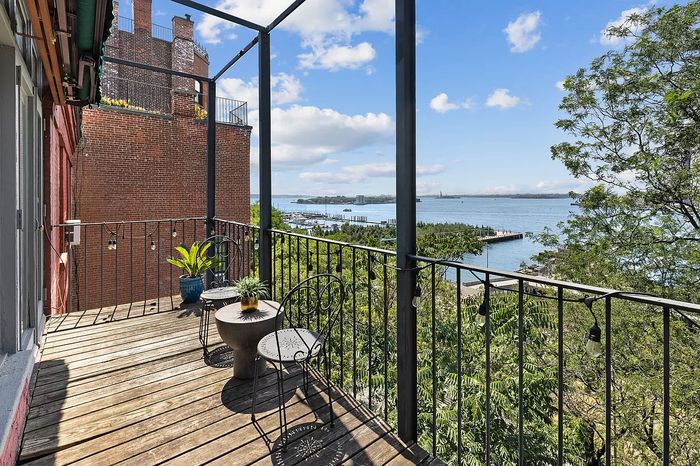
(137, 391)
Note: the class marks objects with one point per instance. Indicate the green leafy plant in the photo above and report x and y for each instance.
(194, 261)
(252, 287)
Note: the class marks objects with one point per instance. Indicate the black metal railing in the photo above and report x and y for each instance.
(119, 269)
(157, 31)
(230, 111)
(502, 356)
(508, 366)
(136, 95)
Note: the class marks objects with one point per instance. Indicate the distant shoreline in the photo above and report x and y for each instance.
(436, 196)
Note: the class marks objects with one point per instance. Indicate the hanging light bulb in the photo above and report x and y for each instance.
(153, 245)
(114, 244)
(257, 245)
(593, 346)
(415, 302)
(174, 233)
(246, 238)
(338, 267)
(481, 314)
(109, 245)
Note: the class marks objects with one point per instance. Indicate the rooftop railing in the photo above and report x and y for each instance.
(508, 364)
(157, 31)
(232, 112)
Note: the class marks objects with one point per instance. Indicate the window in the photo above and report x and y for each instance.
(198, 90)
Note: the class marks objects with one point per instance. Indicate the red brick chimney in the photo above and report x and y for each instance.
(142, 16)
(183, 60)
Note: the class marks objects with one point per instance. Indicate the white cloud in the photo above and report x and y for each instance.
(523, 33)
(285, 89)
(502, 99)
(360, 173)
(336, 57)
(626, 19)
(441, 103)
(321, 25)
(307, 134)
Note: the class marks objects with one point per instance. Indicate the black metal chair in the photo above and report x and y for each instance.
(219, 291)
(318, 298)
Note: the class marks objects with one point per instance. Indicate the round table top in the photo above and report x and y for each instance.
(231, 314)
(220, 294)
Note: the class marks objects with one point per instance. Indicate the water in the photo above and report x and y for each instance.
(521, 215)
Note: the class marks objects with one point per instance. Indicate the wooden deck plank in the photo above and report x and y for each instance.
(249, 435)
(192, 432)
(158, 425)
(78, 385)
(136, 391)
(323, 445)
(107, 340)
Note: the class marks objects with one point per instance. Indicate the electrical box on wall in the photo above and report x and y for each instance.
(72, 232)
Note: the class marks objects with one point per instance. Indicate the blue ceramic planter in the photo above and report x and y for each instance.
(191, 288)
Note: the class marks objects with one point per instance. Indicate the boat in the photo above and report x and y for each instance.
(347, 210)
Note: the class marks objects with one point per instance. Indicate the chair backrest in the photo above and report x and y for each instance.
(227, 251)
(314, 303)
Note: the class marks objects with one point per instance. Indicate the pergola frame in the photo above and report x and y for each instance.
(405, 17)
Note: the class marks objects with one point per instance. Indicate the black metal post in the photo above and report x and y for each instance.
(406, 217)
(211, 165)
(265, 161)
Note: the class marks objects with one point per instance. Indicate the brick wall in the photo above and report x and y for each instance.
(60, 140)
(135, 166)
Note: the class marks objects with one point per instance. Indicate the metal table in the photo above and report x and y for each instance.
(243, 330)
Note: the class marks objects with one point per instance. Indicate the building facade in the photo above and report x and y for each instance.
(142, 156)
(44, 79)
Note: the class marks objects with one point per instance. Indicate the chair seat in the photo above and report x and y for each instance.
(224, 293)
(294, 345)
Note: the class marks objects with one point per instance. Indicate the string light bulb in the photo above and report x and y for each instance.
(415, 302)
(174, 232)
(481, 314)
(593, 346)
(153, 245)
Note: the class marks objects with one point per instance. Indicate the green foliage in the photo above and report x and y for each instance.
(252, 287)
(277, 220)
(444, 240)
(633, 121)
(194, 261)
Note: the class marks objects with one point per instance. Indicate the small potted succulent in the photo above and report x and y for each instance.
(251, 290)
(194, 262)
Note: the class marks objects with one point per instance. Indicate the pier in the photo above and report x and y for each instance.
(313, 219)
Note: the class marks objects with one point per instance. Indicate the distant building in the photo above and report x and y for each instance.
(360, 199)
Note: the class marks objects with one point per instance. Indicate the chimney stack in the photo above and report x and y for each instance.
(142, 16)
(183, 60)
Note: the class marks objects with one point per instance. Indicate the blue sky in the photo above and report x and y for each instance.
(487, 92)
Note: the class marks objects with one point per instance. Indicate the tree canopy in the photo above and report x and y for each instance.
(632, 120)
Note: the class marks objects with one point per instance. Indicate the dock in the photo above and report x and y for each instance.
(312, 219)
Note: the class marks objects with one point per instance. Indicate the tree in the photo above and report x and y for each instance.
(634, 120)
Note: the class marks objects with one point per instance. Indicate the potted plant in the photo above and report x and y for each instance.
(194, 262)
(251, 290)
